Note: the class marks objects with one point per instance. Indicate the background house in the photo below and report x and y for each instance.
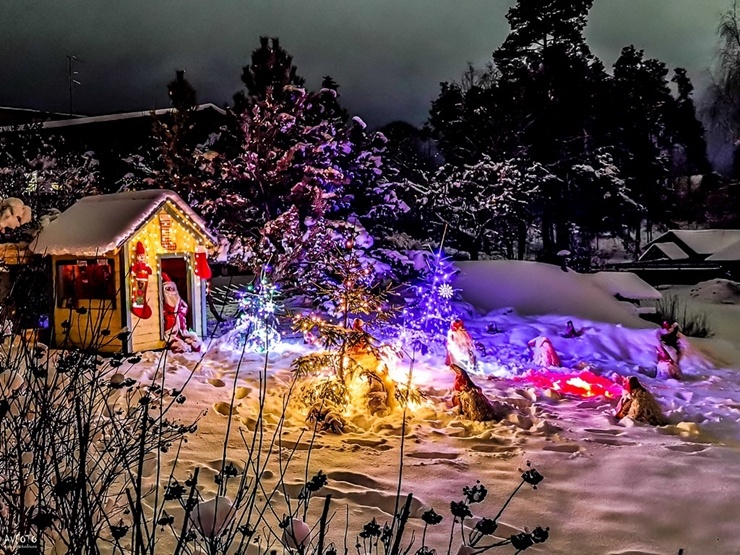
(689, 256)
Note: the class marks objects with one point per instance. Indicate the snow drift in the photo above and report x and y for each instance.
(533, 288)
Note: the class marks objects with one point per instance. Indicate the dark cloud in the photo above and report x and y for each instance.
(388, 55)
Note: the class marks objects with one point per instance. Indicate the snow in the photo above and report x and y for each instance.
(99, 224)
(625, 284)
(536, 288)
(730, 252)
(610, 487)
(671, 251)
(704, 241)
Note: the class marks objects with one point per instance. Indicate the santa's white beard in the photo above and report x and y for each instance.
(171, 298)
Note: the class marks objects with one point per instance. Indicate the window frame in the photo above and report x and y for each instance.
(107, 302)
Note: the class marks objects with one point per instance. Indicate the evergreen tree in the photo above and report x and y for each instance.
(289, 170)
(642, 137)
(690, 150)
(271, 69)
(353, 370)
(172, 157)
(429, 311)
(724, 99)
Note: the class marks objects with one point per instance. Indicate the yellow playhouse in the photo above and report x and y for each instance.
(129, 272)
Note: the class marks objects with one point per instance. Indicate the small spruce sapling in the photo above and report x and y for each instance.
(351, 365)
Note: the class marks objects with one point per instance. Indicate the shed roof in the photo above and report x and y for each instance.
(625, 284)
(99, 224)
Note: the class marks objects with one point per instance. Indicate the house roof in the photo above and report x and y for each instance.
(72, 121)
(671, 251)
(700, 243)
(708, 241)
(730, 252)
(99, 224)
(123, 116)
(625, 284)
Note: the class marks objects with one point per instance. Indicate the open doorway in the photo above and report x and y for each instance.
(176, 270)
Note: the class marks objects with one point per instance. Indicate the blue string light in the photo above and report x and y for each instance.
(257, 322)
(430, 311)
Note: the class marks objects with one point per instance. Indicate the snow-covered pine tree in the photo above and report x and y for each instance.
(488, 207)
(352, 369)
(289, 169)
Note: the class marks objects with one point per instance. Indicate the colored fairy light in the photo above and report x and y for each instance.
(257, 324)
(431, 309)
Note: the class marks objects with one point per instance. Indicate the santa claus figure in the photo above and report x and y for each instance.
(176, 332)
(667, 367)
(460, 348)
(543, 353)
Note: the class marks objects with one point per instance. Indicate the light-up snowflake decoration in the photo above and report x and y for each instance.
(446, 291)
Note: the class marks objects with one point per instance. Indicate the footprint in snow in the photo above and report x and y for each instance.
(687, 448)
(431, 455)
(224, 409)
(562, 448)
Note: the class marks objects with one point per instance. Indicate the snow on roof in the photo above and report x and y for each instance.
(704, 241)
(99, 224)
(625, 284)
(123, 116)
(671, 250)
(730, 252)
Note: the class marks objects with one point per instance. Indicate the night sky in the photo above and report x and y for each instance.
(388, 56)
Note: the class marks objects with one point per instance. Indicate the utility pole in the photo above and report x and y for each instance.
(71, 78)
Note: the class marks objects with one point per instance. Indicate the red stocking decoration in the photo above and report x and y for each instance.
(141, 272)
(202, 269)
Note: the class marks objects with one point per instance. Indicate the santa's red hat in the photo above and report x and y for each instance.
(166, 278)
(140, 248)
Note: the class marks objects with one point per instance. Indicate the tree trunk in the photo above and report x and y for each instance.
(521, 241)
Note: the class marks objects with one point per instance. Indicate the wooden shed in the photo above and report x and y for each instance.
(109, 254)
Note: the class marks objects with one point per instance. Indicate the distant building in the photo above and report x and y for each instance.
(695, 245)
(689, 256)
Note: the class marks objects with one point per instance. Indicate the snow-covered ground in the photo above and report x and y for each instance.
(610, 487)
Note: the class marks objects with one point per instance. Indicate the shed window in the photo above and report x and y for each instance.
(82, 280)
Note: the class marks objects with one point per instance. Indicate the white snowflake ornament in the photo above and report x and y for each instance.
(446, 291)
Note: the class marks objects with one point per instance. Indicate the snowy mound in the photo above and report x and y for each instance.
(721, 291)
(534, 288)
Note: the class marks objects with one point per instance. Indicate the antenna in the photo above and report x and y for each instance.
(71, 78)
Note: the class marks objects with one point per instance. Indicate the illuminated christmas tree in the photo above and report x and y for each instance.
(257, 324)
(430, 310)
(353, 370)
